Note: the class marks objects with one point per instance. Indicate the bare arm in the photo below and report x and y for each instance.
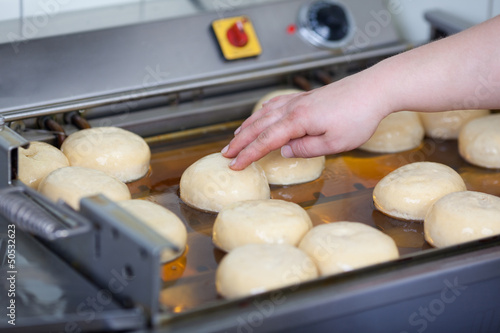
(458, 72)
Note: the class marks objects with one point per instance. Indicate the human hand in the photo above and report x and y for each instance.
(331, 119)
(457, 71)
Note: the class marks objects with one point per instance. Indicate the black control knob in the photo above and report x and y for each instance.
(325, 24)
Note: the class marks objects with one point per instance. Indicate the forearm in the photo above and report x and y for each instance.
(458, 72)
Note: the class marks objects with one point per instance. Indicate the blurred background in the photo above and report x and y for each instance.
(29, 19)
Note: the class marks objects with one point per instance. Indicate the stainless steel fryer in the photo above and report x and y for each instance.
(99, 270)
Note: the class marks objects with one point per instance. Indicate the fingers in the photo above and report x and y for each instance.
(268, 106)
(279, 101)
(271, 112)
(256, 127)
(273, 137)
(270, 128)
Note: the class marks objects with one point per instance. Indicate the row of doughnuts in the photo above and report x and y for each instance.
(272, 243)
(436, 194)
(91, 161)
(281, 258)
(405, 130)
(98, 161)
(250, 229)
(114, 151)
(476, 131)
(324, 250)
(260, 234)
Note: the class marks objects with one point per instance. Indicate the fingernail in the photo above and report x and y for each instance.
(237, 130)
(286, 151)
(225, 149)
(233, 162)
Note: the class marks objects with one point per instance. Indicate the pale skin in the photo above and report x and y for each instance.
(454, 73)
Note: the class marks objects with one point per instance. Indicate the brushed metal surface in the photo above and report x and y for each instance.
(81, 70)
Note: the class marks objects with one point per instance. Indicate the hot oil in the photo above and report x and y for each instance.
(189, 281)
(342, 193)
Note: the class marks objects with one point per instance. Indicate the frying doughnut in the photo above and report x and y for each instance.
(447, 125)
(256, 268)
(461, 217)
(260, 221)
(160, 219)
(273, 94)
(397, 132)
(408, 192)
(209, 184)
(343, 246)
(38, 161)
(71, 184)
(288, 171)
(118, 152)
(479, 142)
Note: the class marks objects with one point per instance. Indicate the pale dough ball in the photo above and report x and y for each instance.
(288, 171)
(256, 268)
(118, 152)
(462, 217)
(479, 142)
(71, 184)
(158, 218)
(446, 125)
(344, 246)
(397, 132)
(273, 94)
(408, 192)
(260, 221)
(209, 184)
(38, 161)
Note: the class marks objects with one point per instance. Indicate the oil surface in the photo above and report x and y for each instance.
(342, 193)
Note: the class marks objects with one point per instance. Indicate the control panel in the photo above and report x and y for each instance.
(182, 53)
(236, 37)
(326, 24)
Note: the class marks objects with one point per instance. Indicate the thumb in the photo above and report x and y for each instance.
(306, 147)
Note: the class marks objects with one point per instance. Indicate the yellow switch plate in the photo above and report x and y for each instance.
(229, 51)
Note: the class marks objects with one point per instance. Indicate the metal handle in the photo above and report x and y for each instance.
(22, 209)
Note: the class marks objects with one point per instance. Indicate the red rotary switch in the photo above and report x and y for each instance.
(236, 34)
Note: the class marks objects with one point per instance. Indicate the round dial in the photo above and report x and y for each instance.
(325, 23)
